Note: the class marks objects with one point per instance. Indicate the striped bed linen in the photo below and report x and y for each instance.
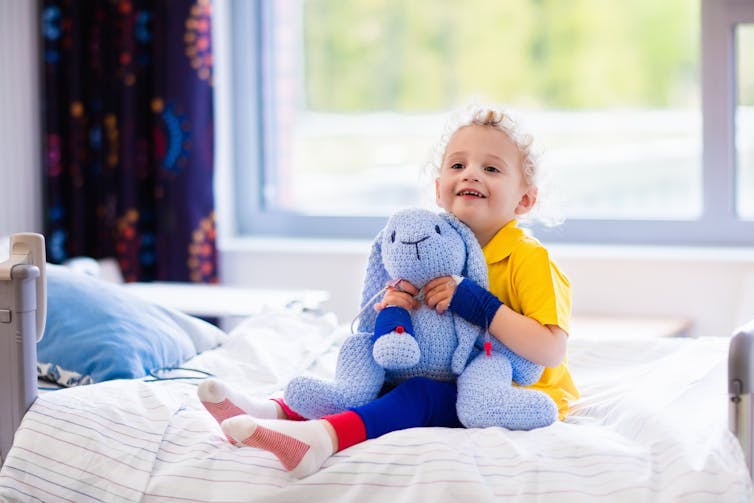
(651, 426)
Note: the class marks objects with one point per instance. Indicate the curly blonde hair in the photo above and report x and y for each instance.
(489, 116)
(495, 117)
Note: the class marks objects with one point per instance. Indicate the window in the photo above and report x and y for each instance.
(336, 108)
(744, 44)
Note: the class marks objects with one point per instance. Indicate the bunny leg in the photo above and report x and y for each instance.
(487, 398)
(358, 380)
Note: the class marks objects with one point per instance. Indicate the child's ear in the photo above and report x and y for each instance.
(528, 199)
(437, 192)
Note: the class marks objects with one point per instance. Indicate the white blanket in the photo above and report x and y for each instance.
(651, 426)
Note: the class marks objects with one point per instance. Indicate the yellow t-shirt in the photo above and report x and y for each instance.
(523, 276)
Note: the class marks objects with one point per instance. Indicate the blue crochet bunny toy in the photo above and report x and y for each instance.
(419, 245)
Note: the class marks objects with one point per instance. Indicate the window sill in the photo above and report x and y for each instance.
(304, 246)
(307, 246)
(655, 253)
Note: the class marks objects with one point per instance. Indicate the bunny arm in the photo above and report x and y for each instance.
(395, 347)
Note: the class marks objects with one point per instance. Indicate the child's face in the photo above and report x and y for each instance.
(481, 181)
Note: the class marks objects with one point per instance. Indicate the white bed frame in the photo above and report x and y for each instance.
(22, 319)
(740, 384)
(22, 314)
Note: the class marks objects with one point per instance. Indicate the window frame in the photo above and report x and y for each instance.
(718, 225)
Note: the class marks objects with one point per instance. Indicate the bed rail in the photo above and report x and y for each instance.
(740, 386)
(22, 320)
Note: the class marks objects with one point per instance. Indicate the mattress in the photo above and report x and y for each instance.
(651, 425)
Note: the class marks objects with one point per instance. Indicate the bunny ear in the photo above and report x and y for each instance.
(476, 264)
(375, 279)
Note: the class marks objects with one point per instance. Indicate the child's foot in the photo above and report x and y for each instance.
(301, 446)
(223, 402)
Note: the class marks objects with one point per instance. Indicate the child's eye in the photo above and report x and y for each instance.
(457, 165)
(491, 169)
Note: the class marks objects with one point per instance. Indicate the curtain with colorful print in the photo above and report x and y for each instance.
(128, 135)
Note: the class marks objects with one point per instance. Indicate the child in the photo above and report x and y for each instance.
(486, 178)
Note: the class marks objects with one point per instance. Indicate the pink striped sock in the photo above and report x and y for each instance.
(300, 446)
(287, 449)
(224, 402)
(223, 410)
(290, 413)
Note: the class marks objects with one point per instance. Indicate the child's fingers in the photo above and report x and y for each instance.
(402, 286)
(401, 299)
(407, 287)
(438, 293)
(436, 299)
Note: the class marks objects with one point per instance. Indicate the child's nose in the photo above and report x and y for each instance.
(471, 176)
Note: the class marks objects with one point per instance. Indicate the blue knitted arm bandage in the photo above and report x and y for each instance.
(474, 304)
(389, 319)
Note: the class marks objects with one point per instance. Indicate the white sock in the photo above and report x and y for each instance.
(301, 446)
(224, 402)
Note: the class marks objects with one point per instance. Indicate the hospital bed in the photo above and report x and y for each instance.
(659, 419)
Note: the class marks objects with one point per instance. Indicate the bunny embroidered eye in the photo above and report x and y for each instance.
(437, 229)
(392, 237)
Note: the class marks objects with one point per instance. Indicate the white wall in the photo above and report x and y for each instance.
(335, 266)
(20, 172)
(712, 287)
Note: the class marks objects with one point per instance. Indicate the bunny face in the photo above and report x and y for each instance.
(419, 245)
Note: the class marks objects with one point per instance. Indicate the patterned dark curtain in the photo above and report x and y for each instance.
(128, 132)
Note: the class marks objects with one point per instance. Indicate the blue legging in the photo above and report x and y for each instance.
(417, 402)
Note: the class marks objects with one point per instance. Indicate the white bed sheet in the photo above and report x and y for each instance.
(651, 426)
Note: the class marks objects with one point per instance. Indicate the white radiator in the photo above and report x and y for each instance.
(20, 134)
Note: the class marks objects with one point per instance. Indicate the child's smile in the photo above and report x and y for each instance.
(471, 194)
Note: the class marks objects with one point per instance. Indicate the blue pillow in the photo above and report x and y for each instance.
(97, 331)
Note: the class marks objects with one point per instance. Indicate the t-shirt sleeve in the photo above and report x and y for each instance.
(543, 291)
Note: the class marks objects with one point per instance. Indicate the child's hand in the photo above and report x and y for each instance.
(400, 295)
(438, 293)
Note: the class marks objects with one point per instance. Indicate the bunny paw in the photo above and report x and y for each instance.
(396, 351)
